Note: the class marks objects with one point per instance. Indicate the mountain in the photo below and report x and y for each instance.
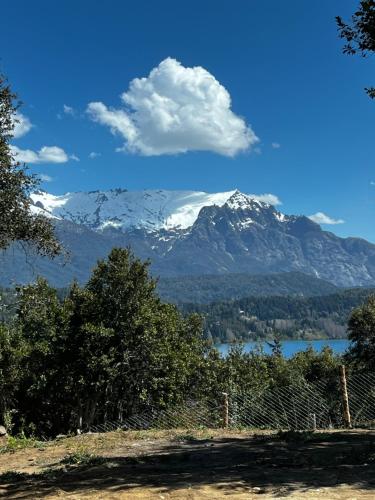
(122, 209)
(189, 233)
(213, 288)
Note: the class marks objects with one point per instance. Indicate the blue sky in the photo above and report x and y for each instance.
(280, 62)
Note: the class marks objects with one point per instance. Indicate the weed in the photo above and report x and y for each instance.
(185, 437)
(82, 457)
(15, 443)
(293, 436)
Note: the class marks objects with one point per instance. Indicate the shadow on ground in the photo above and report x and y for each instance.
(277, 465)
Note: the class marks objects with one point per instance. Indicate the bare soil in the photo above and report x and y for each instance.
(186, 464)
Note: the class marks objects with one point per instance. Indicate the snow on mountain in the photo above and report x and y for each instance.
(192, 233)
(149, 209)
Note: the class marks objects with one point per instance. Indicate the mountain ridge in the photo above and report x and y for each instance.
(190, 233)
(149, 209)
(230, 287)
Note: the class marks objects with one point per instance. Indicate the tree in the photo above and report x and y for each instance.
(11, 357)
(106, 351)
(44, 389)
(361, 328)
(360, 35)
(276, 345)
(155, 349)
(17, 222)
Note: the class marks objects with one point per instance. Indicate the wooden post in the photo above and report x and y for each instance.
(345, 398)
(225, 410)
(313, 418)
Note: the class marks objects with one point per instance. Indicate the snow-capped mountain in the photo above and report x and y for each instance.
(190, 233)
(149, 209)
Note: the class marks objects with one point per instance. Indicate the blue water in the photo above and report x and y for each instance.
(290, 347)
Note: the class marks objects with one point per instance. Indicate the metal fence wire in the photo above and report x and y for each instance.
(361, 392)
(317, 405)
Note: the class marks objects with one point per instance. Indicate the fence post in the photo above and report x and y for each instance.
(313, 418)
(345, 398)
(225, 410)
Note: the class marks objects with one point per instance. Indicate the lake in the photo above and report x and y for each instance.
(290, 347)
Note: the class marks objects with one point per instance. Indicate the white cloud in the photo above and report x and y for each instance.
(46, 178)
(322, 218)
(276, 145)
(68, 110)
(74, 157)
(269, 198)
(94, 155)
(174, 110)
(22, 125)
(47, 154)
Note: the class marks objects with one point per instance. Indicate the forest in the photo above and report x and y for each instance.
(290, 317)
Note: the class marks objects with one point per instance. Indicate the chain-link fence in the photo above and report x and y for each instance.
(319, 405)
(361, 392)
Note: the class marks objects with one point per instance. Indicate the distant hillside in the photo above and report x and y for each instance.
(212, 288)
(259, 318)
(254, 317)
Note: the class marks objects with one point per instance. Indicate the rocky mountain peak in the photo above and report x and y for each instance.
(241, 201)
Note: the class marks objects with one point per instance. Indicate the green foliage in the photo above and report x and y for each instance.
(103, 351)
(362, 335)
(112, 349)
(82, 457)
(12, 351)
(15, 443)
(360, 35)
(17, 222)
(8, 298)
(42, 323)
(255, 371)
(260, 318)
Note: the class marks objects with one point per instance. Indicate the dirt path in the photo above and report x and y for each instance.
(194, 465)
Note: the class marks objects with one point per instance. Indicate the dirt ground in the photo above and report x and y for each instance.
(185, 464)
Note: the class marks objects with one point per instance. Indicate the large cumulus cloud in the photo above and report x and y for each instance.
(174, 110)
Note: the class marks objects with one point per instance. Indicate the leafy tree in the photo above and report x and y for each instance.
(316, 366)
(362, 335)
(17, 223)
(360, 34)
(155, 348)
(8, 299)
(245, 371)
(106, 351)
(11, 357)
(42, 322)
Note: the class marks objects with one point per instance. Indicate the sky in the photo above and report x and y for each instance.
(202, 95)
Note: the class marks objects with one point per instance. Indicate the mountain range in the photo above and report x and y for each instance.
(188, 233)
